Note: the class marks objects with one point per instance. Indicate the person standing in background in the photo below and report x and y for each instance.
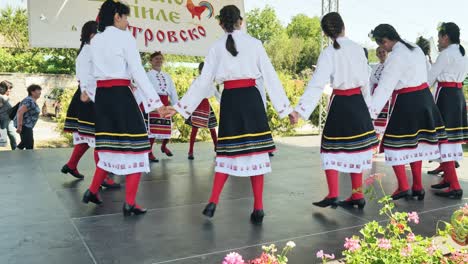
(5, 105)
(27, 116)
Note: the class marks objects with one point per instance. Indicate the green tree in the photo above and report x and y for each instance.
(285, 52)
(263, 24)
(14, 26)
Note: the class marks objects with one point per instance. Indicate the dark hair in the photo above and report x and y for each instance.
(366, 52)
(228, 17)
(88, 29)
(5, 86)
(424, 44)
(32, 88)
(453, 32)
(200, 66)
(155, 54)
(108, 11)
(388, 31)
(332, 25)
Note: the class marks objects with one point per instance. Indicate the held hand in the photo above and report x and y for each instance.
(19, 129)
(170, 112)
(293, 118)
(84, 97)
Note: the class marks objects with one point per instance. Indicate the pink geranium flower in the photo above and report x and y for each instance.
(352, 244)
(384, 243)
(413, 217)
(411, 237)
(406, 251)
(322, 255)
(233, 258)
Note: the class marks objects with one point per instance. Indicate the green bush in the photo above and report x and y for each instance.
(65, 99)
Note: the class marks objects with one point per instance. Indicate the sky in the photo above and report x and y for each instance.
(411, 18)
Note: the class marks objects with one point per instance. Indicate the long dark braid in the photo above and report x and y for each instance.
(88, 29)
(229, 16)
(388, 31)
(107, 12)
(453, 32)
(332, 25)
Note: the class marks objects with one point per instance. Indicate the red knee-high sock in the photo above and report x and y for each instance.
(96, 157)
(218, 184)
(356, 183)
(193, 136)
(131, 187)
(400, 172)
(257, 188)
(416, 170)
(214, 136)
(78, 152)
(108, 179)
(98, 178)
(451, 175)
(332, 180)
(151, 154)
(164, 143)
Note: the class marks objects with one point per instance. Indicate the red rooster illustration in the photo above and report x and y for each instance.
(197, 11)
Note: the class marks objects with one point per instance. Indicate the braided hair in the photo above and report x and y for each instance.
(424, 44)
(229, 16)
(453, 32)
(332, 25)
(88, 29)
(108, 11)
(388, 31)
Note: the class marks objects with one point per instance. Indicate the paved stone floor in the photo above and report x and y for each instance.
(44, 221)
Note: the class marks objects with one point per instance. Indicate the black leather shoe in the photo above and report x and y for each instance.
(454, 194)
(436, 171)
(257, 217)
(191, 157)
(419, 194)
(327, 202)
(209, 210)
(111, 185)
(440, 186)
(166, 151)
(404, 194)
(91, 197)
(271, 154)
(457, 165)
(128, 210)
(155, 160)
(351, 203)
(74, 173)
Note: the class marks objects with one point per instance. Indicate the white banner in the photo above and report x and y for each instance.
(172, 26)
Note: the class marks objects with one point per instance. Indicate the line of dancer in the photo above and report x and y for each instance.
(413, 124)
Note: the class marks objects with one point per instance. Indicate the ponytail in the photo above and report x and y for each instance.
(88, 29)
(453, 32)
(388, 31)
(231, 45)
(332, 25)
(107, 12)
(229, 17)
(462, 50)
(409, 46)
(336, 45)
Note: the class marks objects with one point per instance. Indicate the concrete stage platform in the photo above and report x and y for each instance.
(42, 219)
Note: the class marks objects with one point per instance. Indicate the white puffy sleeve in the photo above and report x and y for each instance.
(320, 78)
(272, 84)
(199, 89)
(436, 69)
(84, 70)
(172, 90)
(136, 70)
(387, 84)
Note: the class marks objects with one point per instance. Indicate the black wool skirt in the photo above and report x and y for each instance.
(243, 124)
(452, 106)
(80, 116)
(120, 127)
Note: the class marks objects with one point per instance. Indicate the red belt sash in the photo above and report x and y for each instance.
(236, 84)
(408, 90)
(112, 83)
(347, 92)
(449, 85)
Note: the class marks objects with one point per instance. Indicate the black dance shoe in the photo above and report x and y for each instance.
(420, 194)
(437, 171)
(457, 165)
(403, 194)
(128, 210)
(111, 185)
(327, 202)
(166, 151)
(453, 194)
(360, 203)
(440, 186)
(74, 173)
(91, 197)
(153, 160)
(191, 157)
(209, 210)
(257, 217)
(271, 154)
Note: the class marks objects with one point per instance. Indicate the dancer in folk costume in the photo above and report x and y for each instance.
(348, 138)
(121, 137)
(415, 128)
(381, 122)
(203, 117)
(158, 126)
(245, 139)
(448, 74)
(80, 115)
